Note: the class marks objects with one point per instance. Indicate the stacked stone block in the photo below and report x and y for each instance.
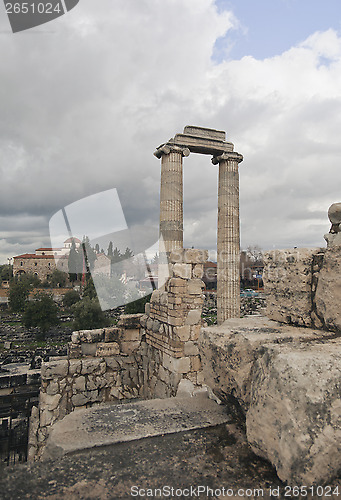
(103, 365)
(172, 326)
(291, 279)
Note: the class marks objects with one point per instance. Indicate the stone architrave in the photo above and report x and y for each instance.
(228, 240)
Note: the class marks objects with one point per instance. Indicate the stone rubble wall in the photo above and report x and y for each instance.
(173, 324)
(103, 365)
(302, 286)
(143, 356)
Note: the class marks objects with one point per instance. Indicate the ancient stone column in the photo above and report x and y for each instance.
(171, 196)
(228, 240)
(171, 204)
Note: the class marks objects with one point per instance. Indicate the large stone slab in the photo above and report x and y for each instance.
(229, 352)
(109, 424)
(294, 418)
(288, 381)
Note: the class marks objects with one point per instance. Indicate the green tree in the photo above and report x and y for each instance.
(88, 314)
(89, 289)
(117, 257)
(97, 248)
(89, 253)
(19, 291)
(74, 263)
(127, 254)
(70, 298)
(6, 272)
(29, 278)
(41, 313)
(137, 306)
(110, 250)
(58, 278)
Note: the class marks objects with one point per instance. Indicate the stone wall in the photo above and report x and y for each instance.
(103, 365)
(303, 286)
(143, 356)
(173, 324)
(40, 265)
(289, 284)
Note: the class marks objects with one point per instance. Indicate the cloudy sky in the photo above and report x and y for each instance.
(87, 98)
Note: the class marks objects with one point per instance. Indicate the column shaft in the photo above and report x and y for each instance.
(228, 243)
(171, 200)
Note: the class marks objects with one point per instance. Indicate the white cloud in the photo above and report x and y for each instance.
(85, 105)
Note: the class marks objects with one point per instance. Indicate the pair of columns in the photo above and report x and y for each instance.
(228, 240)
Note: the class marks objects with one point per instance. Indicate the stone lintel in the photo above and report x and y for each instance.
(187, 144)
(233, 156)
(202, 145)
(206, 133)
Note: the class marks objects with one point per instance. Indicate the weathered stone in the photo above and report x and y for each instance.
(195, 332)
(130, 321)
(107, 349)
(80, 399)
(75, 338)
(79, 384)
(183, 332)
(195, 256)
(46, 418)
(88, 349)
(54, 369)
(90, 336)
(90, 365)
(74, 351)
(177, 365)
(193, 317)
(191, 349)
(287, 280)
(53, 388)
(328, 293)
(182, 270)
(113, 363)
(195, 363)
(49, 402)
(334, 213)
(155, 325)
(75, 366)
(130, 347)
(198, 271)
(295, 396)
(195, 286)
(112, 334)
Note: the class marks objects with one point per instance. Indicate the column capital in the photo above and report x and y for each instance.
(166, 149)
(229, 156)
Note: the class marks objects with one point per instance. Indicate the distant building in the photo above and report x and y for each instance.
(44, 261)
(102, 265)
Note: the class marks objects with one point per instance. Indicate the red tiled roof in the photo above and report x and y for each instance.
(33, 256)
(210, 264)
(47, 249)
(70, 240)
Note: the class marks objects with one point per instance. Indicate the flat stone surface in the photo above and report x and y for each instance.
(109, 424)
(214, 457)
(287, 379)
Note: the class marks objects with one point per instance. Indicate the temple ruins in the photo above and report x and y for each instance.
(282, 372)
(209, 142)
